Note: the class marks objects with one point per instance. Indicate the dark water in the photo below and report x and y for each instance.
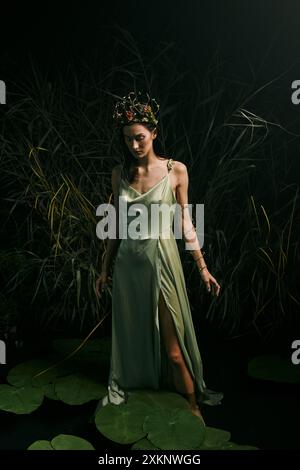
(258, 413)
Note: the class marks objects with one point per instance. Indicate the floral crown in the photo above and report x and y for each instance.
(133, 108)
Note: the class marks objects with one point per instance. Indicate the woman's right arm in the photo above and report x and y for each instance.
(112, 244)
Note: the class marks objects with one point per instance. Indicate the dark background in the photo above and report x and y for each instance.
(255, 41)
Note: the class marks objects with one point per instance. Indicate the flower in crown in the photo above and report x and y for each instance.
(135, 108)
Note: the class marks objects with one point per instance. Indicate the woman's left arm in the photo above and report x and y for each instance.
(188, 229)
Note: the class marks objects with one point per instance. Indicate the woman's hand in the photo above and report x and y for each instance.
(210, 282)
(101, 283)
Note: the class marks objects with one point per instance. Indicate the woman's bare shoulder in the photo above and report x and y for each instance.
(179, 168)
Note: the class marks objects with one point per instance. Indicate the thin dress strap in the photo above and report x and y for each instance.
(170, 164)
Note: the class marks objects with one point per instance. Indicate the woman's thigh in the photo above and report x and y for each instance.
(168, 331)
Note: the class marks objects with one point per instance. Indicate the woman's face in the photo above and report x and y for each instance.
(138, 139)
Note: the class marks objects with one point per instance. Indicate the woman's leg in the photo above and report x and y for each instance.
(182, 378)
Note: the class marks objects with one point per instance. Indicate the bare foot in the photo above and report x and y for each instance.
(196, 411)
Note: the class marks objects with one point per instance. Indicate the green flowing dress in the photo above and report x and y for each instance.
(142, 268)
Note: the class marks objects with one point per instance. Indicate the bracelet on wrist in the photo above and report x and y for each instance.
(199, 257)
(203, 267)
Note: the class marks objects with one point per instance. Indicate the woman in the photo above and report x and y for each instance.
(153, 338)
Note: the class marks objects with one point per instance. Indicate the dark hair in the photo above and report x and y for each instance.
(128, 159)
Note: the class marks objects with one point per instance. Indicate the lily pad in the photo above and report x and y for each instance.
(214, 438)
(274, 367)
(144, 444)
(23, 373)
(20, 400)
(62, 442)
(174, 429)
(49, 391)
(77, 389)
(69, 442)
(40, 445)
(122, 423)
(159, 400)
(233, 446)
